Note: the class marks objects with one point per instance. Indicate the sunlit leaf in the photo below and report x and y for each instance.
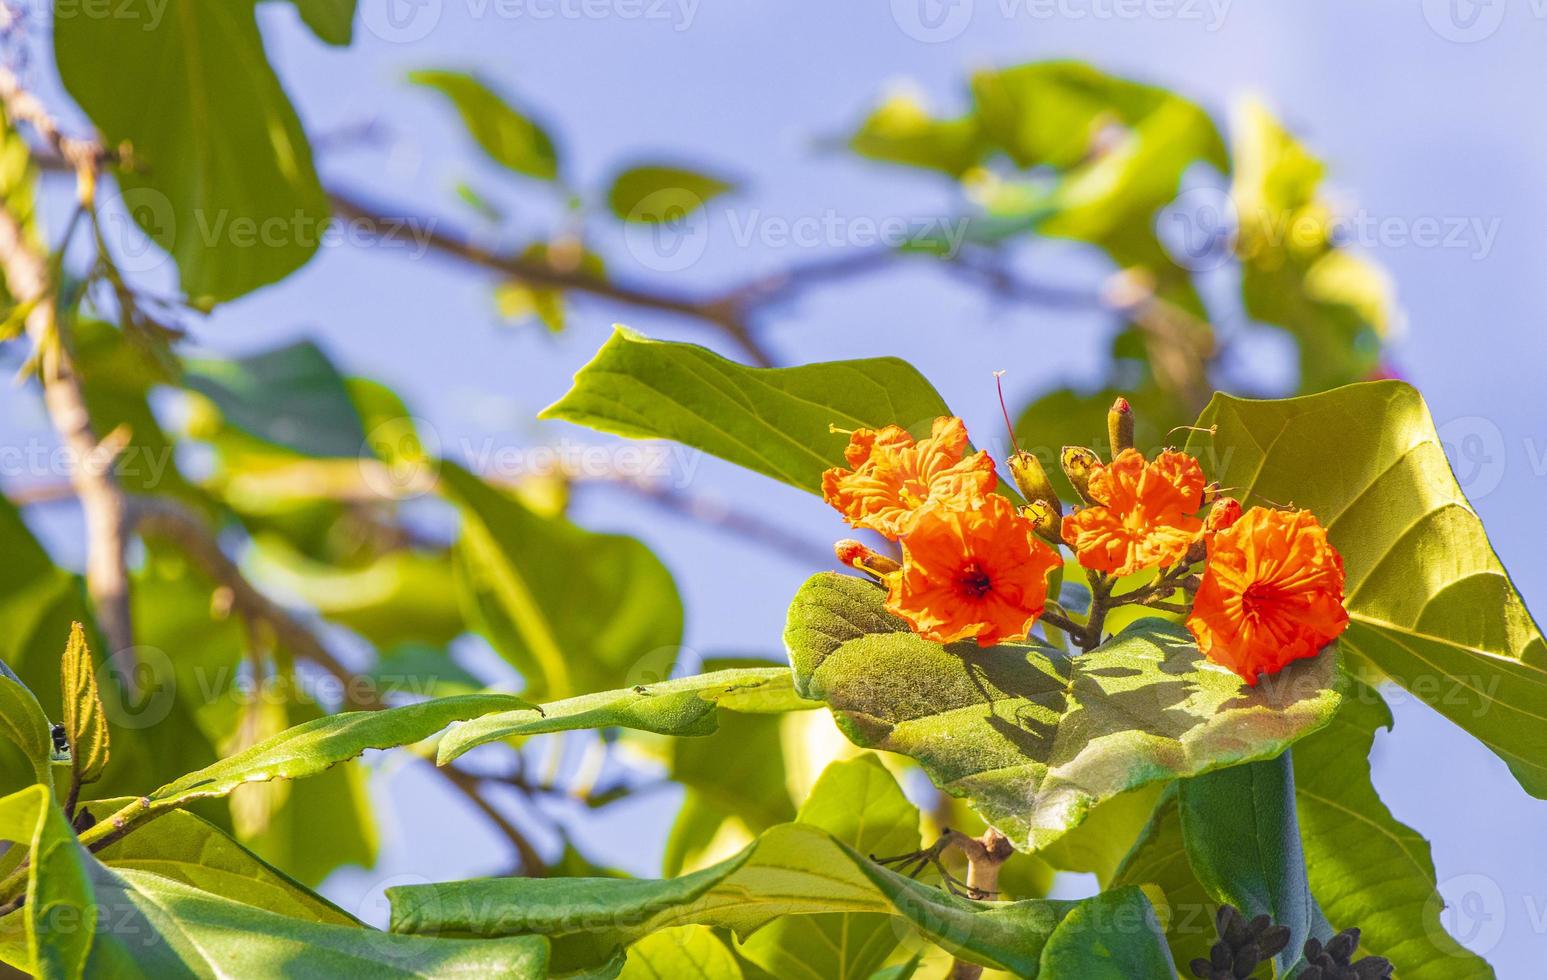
(690, 951)
(510, 137)
(1031, 738)
(223, 181)
(777, 421)
(654, 194)
(1429, 603)
(58, 896)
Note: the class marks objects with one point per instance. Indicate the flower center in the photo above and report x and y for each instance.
(1258, 595)
(973, 581)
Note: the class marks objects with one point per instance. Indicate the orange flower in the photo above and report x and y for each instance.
(1144, 515)
(893, 477)
(1272, 592)
(972, 567)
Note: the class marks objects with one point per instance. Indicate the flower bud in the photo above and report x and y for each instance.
(1045, 520)
(1078, 463)
(857, 555)
(1120, 426)
(1032, 481)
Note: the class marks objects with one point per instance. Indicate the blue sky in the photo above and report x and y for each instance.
(1423, 111)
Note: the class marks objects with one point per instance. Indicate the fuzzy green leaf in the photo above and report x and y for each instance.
(85, 725)
(776, 421)
(1429, 603)
(685, 706)
(688, 951)
(59, 902)
(1030, 737)
(22, 722)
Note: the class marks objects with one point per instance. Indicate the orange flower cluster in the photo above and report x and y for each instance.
(974, 566)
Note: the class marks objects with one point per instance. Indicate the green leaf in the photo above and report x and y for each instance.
(901, 130)
(689, 951)
(1031, 738)
(571, 609)
(1080, 946)
(861, 805)
(85, 725)
(310, 748)
(222, 175)
(776, 421)
(1367, 869)
(190, 849)
(653, 194)
(58, 907)
(22, 722)
(1429, 604)
(1099, 844)
(291, 396)
(790, 870)
(165, 928)
(684, 706)
(510, 137)
(1243, 842)
(332, 21)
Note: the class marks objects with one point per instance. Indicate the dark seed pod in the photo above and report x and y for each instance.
(1202, 969)
(1246, 960)
(1273, 940)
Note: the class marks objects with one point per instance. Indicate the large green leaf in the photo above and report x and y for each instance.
(189, 849)
(290, 396)
(1429, 603)
(331, 20)
(1243, 843)
(1034, 739)
(573, 610)
(1158, 858)
(312, 747)
(163, 928)
(23, 723)
(790, 870)
(1367, 869)
(222, 175)
(860, 804)
(777, 421)
(684, 706)
(58, 895)
(688, 952)
(510, 137)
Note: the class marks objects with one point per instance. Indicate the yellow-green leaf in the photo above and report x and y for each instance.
(84, 723)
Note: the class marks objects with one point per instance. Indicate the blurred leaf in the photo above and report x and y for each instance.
(508, 136)
(1369, 870)
(776, 421)
(1033, 739)
(423, 671)
(1429, 603)
(792, 869)
(653, 194)
(23, 723)
(405, 596)
(189, 849)
(1337, 306)
(689, 951)
(900, 130)
(58, 894)
(85, 725)
(332, 21)
(1243, 843)
(684, 706)
(314, 746)
(291, 396)
(223, 182)
(1099, 845)
(571, 609)
(861, 805)
(519, 301)
(164, 928)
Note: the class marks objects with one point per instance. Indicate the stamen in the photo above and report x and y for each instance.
(999, 383)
